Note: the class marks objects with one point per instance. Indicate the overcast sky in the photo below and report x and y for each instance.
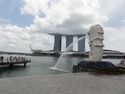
(27, 22)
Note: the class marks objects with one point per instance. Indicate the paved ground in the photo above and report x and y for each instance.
(81, 83)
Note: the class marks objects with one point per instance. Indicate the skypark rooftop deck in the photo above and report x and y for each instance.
(64, 34)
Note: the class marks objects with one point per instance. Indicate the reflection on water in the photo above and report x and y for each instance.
(40, 66)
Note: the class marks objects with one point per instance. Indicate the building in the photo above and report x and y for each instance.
(68, 42)
(111, 54)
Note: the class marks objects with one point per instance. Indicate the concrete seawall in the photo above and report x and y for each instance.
(81, 83)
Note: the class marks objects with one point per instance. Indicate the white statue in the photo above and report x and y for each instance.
(96, 43)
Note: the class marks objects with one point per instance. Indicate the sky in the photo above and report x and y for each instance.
(25, 23)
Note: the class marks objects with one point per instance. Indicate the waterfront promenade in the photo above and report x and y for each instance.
(81, 83)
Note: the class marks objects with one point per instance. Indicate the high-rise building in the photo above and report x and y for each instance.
(57, 42)
(63, 46)
(69, 40)
(62, 41)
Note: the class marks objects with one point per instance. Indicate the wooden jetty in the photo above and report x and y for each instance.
(15, 63)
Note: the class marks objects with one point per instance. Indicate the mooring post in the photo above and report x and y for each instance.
(11, 65)
(24, 64)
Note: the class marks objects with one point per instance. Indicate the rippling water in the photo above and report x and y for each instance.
(39, 66)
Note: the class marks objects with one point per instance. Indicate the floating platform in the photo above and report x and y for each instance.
(10, 64)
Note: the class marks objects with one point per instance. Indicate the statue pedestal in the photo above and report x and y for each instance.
(92, 66)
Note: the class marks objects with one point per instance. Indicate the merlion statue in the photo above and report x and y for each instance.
(96, 53)
(96, 43)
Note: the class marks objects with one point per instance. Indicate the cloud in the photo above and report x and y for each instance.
(62, 16)
(4, 21)
(123, 21)
(111, 9)
(65, 16)
(17, 39)
(42, 41)
(114, 38)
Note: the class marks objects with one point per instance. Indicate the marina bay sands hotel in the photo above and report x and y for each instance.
(62, 41)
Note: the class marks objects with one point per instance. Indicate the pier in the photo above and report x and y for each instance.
(10, 64)
(11, 61)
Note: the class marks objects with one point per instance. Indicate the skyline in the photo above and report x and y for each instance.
(27, 22)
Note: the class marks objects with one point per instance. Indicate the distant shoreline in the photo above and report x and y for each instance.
(84, 55)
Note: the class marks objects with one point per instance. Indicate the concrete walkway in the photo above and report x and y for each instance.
(81, 83)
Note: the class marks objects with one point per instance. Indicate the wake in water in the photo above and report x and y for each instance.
(62, 64)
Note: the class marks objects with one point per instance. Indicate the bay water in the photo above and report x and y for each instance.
(39, 65)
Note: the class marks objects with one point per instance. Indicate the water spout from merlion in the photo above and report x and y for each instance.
(62, 64)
